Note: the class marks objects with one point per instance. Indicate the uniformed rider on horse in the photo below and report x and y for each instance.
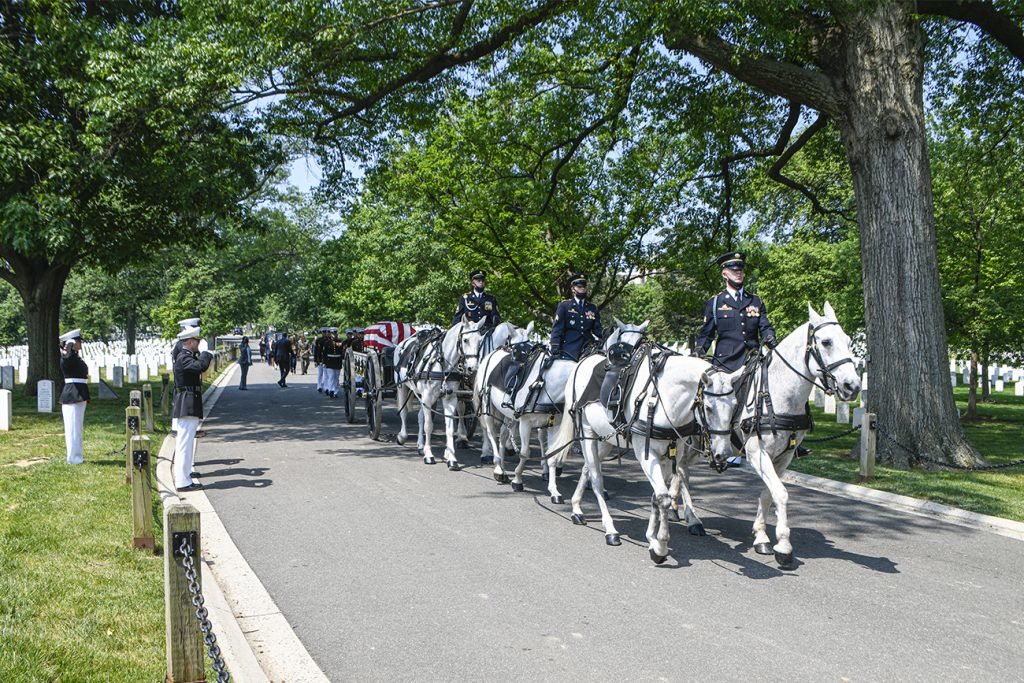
(577, 321)
(477, 303)
(739, 320)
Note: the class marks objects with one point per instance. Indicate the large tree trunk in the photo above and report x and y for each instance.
(883, 130)
(131, 327)
(41, 286)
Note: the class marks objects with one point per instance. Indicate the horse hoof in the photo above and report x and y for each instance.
(673, 515)
(453, 466)
(658, 559)
(558, 471)
(518, 487)
(579, 520)
(557, 500)
(612, 539)
(785, 560)
(429, 461)
(501, 478)
(763, 549)
(696, 530)
(400, 440)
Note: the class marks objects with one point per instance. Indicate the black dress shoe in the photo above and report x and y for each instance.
(194, 486)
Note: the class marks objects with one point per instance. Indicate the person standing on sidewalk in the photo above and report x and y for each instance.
(75, 395)
(189, 365)
(244, 361)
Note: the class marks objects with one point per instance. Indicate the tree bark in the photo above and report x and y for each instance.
(41, 286)
(986, 382)
(883, 130)
(131, 327)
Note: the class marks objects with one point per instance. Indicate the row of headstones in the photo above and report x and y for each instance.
(997, 379)
(115, 374)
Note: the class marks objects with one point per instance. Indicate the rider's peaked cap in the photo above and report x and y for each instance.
(478, 275)
(578, 279)
(733, 260)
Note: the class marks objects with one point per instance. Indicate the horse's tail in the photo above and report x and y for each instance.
(595, 414)
(558, 446)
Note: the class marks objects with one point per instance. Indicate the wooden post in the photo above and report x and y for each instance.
(142, 497)
(868, 445)
(147, 406)
(165, 399)
(184, 637)
(132, 428)
(135, 398)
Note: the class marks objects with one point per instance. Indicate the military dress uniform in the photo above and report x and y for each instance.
(318, 359)
(182, 326)
(74, 397)
(478, 305)
(737, 318)
(188, 406)
(577, 321)
(334, 357)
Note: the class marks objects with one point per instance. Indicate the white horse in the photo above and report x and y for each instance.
(815, 354)
(544, 396)
(435, 373)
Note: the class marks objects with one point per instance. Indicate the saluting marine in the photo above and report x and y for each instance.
(75, 395)
(182, 325)
(738, 318)
(477, 304)
(318, 359)
(577, 321)
(334, 357)
(191, 362)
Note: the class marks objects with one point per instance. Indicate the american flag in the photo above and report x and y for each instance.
(384, 335)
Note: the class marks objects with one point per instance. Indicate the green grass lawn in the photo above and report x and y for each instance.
(77, 603)
(998, 435)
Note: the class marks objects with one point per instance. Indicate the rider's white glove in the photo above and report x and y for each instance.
(203, 346)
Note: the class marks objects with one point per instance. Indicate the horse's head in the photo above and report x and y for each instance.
(630, 335)
(828, 354)
(469, 338)
(716, 403)
(517, 335)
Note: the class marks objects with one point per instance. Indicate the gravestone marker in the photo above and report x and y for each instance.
(819, 397)
(858, 415)
(1000, 385)
(106, 391)
(133, 374)
(1018, 388)
(952, 378)
(44, 396)
(830, 405)
(5, 410)
(118, 376)
(843, 413)
(967, 376)
(7, 377)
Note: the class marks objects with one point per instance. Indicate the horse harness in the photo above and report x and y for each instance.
(765, 419)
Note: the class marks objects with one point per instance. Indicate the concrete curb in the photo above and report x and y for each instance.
(257, 642)
(925, 508)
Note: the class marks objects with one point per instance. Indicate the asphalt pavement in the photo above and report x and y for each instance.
(391, 570)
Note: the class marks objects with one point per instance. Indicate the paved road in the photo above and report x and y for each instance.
(392, 570)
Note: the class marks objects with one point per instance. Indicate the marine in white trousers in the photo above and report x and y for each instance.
(321, 373)
(74, 423)
(184, 449)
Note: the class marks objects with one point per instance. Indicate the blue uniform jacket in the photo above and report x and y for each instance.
(576, 322)
(477, 306)
(740, 325)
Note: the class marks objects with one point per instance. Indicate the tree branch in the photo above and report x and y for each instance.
(795, 83)
(1001, 27)
(775, 172)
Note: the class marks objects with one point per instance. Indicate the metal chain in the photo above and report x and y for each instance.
(117, 451)
(840, 435)
(202, 614)
(951, 465)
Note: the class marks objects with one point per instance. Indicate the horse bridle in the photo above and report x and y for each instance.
(700, 411)
(828, 378)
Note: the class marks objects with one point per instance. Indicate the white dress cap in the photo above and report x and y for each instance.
(189, 333)
(73, 334)
(188, 322)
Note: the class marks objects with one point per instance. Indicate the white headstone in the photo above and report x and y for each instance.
(863, 398)
(23, 373)
(952, 378)
(830, 405)
(133, 374)
(5, 410)
(858, 415)
(843, 413)
(7, 377)
(143, 372)
(819, 397)
(1018, 388)
(118, 376)
(1000, 385)
(864, 381)
(44, 396)
(967, 376)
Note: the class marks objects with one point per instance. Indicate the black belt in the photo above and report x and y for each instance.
(182, 390)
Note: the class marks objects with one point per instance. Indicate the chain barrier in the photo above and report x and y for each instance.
(202, 614)
(840, 435)
(951, 465)
(117, 451)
